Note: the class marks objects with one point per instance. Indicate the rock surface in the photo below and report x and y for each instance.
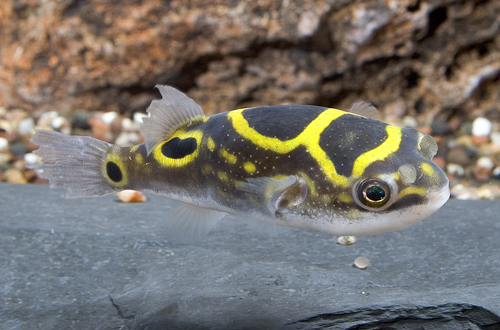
(409, 57)
(101, 264)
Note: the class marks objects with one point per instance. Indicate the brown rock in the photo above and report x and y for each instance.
(459, 155)
(480, 140)
(440, 161)
(14, 175)
(411, 57)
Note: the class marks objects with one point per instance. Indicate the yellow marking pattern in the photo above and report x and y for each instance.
(178, 162)
(327, 198)
(206, 169)
(413, 191)
(389, 146)
(310, 184)
(134, 148)
(230, 158)
(310, 138)
(114, 156)
(139, 159)
(223, 176)
(249, 167)
(344, 197)
(211, 144)
(427, 169)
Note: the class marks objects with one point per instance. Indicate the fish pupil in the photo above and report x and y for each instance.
(177, 148)
(114, 172)
(375, 193)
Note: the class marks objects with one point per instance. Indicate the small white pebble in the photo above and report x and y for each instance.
(361, 262)
(485, 162)
(131, 196)
(495, 137)
(26, 126)
(496, 171)
(481, 127)
(108, 117)
(410, 122)
(127, 139)
(32, 158)
(455, 169)
(130, 125)
(346, 240)
(49, 114)
(3, 143)
(138, 117)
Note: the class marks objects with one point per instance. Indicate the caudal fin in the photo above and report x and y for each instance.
(74, 163)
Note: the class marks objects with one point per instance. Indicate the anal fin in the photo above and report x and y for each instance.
(188, 223)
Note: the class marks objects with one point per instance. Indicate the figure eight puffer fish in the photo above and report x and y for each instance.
(299, 166)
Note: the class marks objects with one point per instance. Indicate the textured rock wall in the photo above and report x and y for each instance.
(411, 57)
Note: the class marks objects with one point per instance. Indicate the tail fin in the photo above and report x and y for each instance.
(75, 163)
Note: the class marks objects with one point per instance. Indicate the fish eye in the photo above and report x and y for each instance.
(373, 194)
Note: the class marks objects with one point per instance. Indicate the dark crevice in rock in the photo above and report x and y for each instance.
(448, 316)
(121, 313)
(436, 17)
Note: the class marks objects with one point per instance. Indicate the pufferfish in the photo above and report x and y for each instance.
(299, 166)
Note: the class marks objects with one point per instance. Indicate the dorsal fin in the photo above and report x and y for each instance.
(366, 110)
(173, 111)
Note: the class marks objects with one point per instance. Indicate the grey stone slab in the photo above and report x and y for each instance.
(96, 263)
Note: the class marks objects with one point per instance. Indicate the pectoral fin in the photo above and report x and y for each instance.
(272, 195)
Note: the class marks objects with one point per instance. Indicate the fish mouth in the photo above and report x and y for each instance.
(438, 197)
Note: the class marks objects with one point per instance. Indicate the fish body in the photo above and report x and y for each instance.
(300, 166)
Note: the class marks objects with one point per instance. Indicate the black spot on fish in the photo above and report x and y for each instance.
(114, 172)
(346, 131)
(177, 148)
(284, 122)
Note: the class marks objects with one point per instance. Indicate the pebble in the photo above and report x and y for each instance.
(18, 148)
(439, 161)
(15, 175)
(346, 240)
(495, 138)
(108, 117)
(80, 119)
(31, 158)
(131, 196)
(4, 144)
(361, 262)
(496, 173)
(138, 116)
(459, 155)
(5, 157)
(480, 140)
(481, 127)
(26, 126)
(61, 124)
(440, 127)
(485, 162)
(46, 119)
(455, 169)
(410, 122)
(127, 139)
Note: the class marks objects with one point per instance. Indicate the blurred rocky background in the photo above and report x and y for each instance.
(90, 67)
